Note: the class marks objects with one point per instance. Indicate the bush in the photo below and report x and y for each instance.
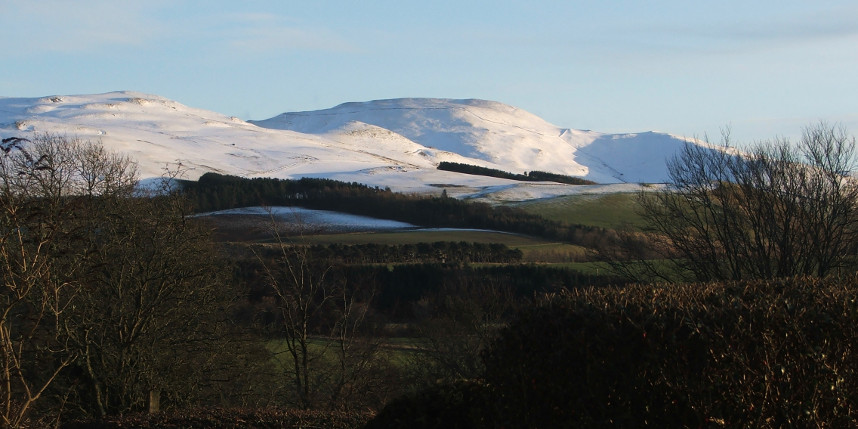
(464, 404)
(766, 353)
(270, 418)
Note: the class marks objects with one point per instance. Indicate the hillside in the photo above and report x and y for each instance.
(388, 143)
(499, 134)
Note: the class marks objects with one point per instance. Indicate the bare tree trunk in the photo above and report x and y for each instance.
(309, 296)
(154, 401)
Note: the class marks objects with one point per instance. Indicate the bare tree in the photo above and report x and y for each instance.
(108, 297)
(152, 309)
(320, 320)
(776, 210)
(43, 239)
(459, 322)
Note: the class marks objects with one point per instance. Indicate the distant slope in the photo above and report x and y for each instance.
(396, 143)
(159, 132)
(498, 134)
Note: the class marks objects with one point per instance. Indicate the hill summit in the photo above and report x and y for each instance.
(396, 143)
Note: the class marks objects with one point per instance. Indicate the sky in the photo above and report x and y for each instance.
(763, 68)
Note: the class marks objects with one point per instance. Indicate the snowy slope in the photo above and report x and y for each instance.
(160, 133)
(501, 135)
(395, 143)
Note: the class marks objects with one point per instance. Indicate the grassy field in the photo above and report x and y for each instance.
(550, 252)
(610, 211)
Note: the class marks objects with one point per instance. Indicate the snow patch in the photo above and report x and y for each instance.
(323, 219)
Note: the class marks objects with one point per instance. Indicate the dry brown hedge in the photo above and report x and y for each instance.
(754, 354)
(222, 418)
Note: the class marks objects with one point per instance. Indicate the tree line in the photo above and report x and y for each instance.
(435, 252)
(399, 287)
(530, 176)
(217, 192)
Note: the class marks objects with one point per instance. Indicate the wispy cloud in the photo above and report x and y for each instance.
(265, 33)
(56, 26)
(767, 30)
(66, 26)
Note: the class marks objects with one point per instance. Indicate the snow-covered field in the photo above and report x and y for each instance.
(299, 219)
(535, 191)
(315, 220)
(387, 143)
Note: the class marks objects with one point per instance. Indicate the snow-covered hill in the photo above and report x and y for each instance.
(396, 143)
(498, 134)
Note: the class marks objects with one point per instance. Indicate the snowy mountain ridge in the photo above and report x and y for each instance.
(396, 143)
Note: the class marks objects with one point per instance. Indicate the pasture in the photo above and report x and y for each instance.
(604, 210)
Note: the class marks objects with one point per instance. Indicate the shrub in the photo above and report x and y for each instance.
(464, 404)
(268, 418)
(764, 353)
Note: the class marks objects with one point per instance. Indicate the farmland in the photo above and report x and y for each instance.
(604, 210)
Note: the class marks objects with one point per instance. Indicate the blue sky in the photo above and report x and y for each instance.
(764, 68)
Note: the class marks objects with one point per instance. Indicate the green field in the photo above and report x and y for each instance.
(612, 210)
(552, 252)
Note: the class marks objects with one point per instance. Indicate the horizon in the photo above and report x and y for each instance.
(765, 69)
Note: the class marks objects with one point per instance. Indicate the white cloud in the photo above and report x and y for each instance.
(753, 31)
(71, 26)
(93, 27)
(262, 33)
